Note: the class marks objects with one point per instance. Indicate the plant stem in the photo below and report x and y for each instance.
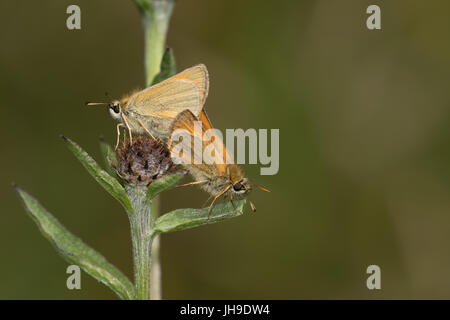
(141, 225)
(155, 271)
(156, 22)
(155, 16)
(156, 19)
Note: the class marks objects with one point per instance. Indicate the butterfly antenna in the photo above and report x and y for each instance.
(261, 188)
(95, 103)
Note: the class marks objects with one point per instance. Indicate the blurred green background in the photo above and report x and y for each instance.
(364, 123)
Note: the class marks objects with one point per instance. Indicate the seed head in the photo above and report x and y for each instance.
(144, 161)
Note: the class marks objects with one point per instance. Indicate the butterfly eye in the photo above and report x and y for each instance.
(238, 187)
(116, 108)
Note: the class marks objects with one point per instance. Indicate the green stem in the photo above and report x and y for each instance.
(156, 22)
(155, 271)
(141, 226)
(156, 17)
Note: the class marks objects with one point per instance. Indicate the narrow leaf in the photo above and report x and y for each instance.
(75, 251)
(182, 219)
(143, 5)
(163, 184)
(101, 176)
(168, 67)
(109, 158)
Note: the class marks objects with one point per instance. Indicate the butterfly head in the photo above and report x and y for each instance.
(115, 110)
(241, 187)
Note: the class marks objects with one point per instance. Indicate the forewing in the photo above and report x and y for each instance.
(199, 76)
(184, 91)
(186, 121)
(218, 144)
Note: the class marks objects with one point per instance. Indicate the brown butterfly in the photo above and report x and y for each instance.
(218, 178)
(153, 109)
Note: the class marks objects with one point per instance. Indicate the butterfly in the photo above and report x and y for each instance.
(153, 109)
(219, 177)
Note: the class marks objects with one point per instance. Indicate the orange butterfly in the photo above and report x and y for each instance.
(221, 177)
(153, 109)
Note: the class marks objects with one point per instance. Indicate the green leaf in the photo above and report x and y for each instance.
(109, 158)
(110, 184)
(182, 219)
(143, 5)
(163, 184)
(75, 251)
(168, 67)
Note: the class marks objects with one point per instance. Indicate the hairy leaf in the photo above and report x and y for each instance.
(163, 184)
(75, 251)
(109, 158)
(110, 184)
(182, 219)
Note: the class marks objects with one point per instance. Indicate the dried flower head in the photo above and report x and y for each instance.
(144, 161)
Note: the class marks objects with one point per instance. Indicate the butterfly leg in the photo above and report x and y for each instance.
(121, 177)
(231, 199)
(252, 206)
(215, 198)
(118, 135)
(128, 127)
(207, 200)
(145, 128)
(191, 183)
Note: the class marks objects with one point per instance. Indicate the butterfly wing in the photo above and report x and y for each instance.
(186, 121)
(186, 90)
(199, 76)
(227, 167)
(218, 145)
(224, 166)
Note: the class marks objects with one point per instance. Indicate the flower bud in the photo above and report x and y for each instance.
(144, 161)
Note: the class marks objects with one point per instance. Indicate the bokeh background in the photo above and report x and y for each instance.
(364, 119)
